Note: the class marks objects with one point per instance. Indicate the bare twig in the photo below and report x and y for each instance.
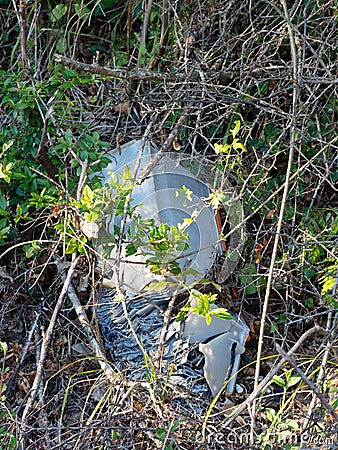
(135, 74)
(138, 74)
(82, 316)
(165, 148)
(22, 16)
(24, 352)
(292, 127)
(165, 28)
(128, 28)
(166, 319)
(144, 31)
(45, 343)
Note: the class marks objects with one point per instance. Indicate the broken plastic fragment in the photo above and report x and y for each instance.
(221, 343)
(221, 362)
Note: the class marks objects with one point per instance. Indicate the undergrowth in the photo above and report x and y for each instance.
(253, 82)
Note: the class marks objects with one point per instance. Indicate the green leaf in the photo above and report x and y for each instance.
(193, 272)
(5, 171)
(130, 249)
(236, 128)
(217, 286)
(7, 145)
(278, 380)
(208, 318)
(84, 155)
(3, 203)
(31, 249)
(291, 424)
(271, 414)
(69, 136)
(58, 12)
(293, 380)
(133, 227)
(309, 302)
(61, 46)
(163, 229)
(334, 403)
(161, 433)
(71, 247)
(143, 49)
(87, 196)
(221, 313)
(237, 145)
(4, 231)
(222, 148)
(250, 289)
(4, 347)
(158, 286)
(113, 180)
(186, 222)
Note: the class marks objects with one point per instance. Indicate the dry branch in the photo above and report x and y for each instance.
(83, 319)
(123, 74)
(45, 343)
(140, 74)
(22, 16)
(292, 131)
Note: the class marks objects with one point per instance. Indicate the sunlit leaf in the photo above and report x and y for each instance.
(271, 414)
(236, 128)
(58, 12)
(221, 313)
(279, 380)
(238, 146)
